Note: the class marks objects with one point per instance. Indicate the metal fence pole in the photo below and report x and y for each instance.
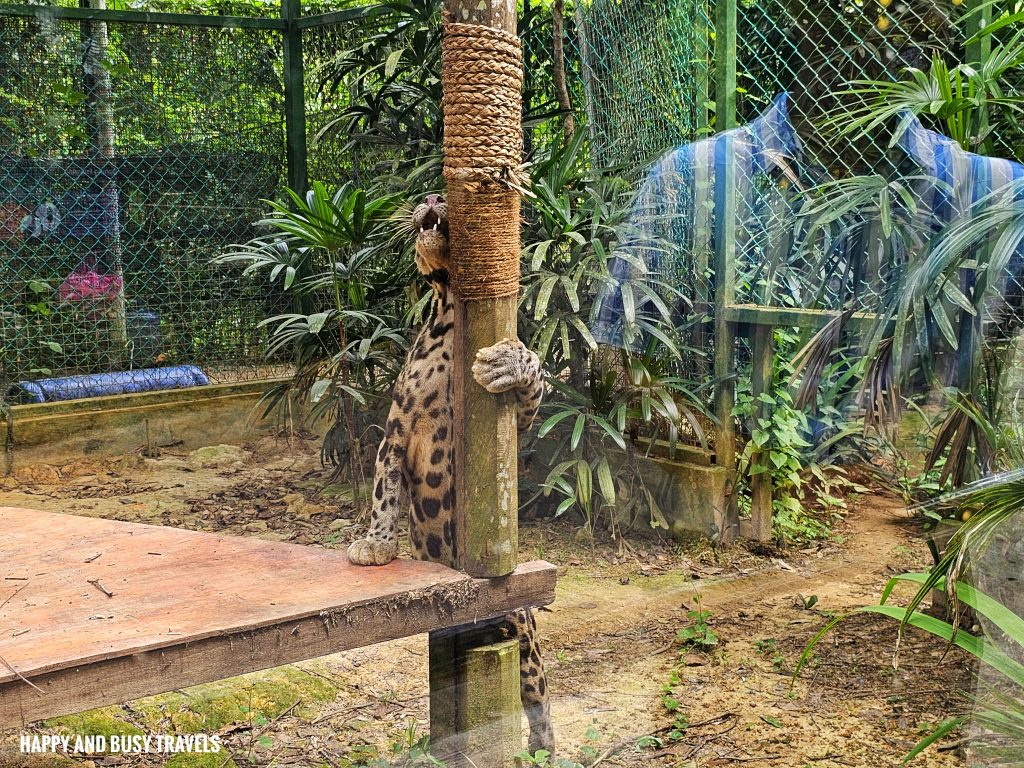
(294, 97)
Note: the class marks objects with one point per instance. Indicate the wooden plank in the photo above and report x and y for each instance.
(205, 607)
(139, 17)
(754, 315)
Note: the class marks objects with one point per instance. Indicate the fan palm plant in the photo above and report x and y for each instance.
(940, 278)
(337, 249)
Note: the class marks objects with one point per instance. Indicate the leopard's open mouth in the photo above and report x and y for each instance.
(432, 221)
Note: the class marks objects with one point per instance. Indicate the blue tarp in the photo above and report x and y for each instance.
(99, 384)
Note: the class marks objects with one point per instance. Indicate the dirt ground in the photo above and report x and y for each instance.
(625, 692)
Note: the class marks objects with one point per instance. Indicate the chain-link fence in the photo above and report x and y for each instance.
(133, 152)
(647, 70)
(131, 155)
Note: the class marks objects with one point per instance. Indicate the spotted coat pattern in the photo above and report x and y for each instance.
(415, 458)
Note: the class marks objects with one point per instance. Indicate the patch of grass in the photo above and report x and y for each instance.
(96, 722)
(200, 760)
(267, 694)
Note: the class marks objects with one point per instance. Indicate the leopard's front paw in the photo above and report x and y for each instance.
(505, 365)
(370, 552)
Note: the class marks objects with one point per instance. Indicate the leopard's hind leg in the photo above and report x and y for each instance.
(389, 493)
(533, 685)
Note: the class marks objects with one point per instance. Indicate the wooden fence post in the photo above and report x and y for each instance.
(725, 257)
(762, 379)
(294, 96)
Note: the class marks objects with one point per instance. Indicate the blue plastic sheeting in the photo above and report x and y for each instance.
(99, 384)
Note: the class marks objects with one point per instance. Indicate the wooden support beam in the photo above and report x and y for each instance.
(724, 258)
(22, 10)
(492, 711)
(793, 317)
(486, 487)
(486, 481)
(294, 96)
(762, 379)
(475, 709)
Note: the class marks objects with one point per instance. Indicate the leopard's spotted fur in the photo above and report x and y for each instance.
(415, 457)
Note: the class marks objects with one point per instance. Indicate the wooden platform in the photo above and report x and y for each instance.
(189, 607)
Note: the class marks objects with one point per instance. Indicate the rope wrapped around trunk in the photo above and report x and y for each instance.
(482, 75)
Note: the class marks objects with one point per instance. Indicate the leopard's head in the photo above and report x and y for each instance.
(430, 222)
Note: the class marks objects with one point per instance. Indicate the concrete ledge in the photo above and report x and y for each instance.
(117, 424)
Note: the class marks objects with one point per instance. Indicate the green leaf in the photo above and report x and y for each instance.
(316, 322)
(540, 305)
(605, 482)
(934, 736)
(577, 432)
(553, 421)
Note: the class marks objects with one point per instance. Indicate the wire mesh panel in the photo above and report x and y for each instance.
(130, 156)
(802, 69)
(647, 71)
(325, 101)
(818, 53)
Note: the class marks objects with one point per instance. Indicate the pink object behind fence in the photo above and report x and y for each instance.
(85, 283)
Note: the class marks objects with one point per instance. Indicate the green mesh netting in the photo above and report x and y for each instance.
(130, 155)
(646, 69)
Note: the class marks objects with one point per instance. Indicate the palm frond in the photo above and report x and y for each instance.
(811, 360)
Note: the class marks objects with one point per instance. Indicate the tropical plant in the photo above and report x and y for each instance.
(335, 249)
(799, 441)
(1000, 710)
(937, 279)
(607, 400)
(968, 101)
(388, 80)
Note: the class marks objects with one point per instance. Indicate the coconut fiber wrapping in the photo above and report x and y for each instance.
(482, 74)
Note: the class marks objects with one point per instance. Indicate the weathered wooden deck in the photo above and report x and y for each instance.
(186, 607)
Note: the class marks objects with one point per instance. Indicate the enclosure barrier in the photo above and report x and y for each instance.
(125, 169)
(660, 77)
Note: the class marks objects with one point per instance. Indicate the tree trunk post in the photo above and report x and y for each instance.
(474, 681)
(97, 88)
(762, 379)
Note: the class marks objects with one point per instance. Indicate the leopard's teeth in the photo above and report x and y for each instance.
(435, 226)
(423, 229)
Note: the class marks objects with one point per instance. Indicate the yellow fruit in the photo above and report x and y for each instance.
(958, 2)
(885, 3)
(883, 23)
(966, 515)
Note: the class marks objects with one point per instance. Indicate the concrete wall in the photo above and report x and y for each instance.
(689, 490)
(51, 433)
